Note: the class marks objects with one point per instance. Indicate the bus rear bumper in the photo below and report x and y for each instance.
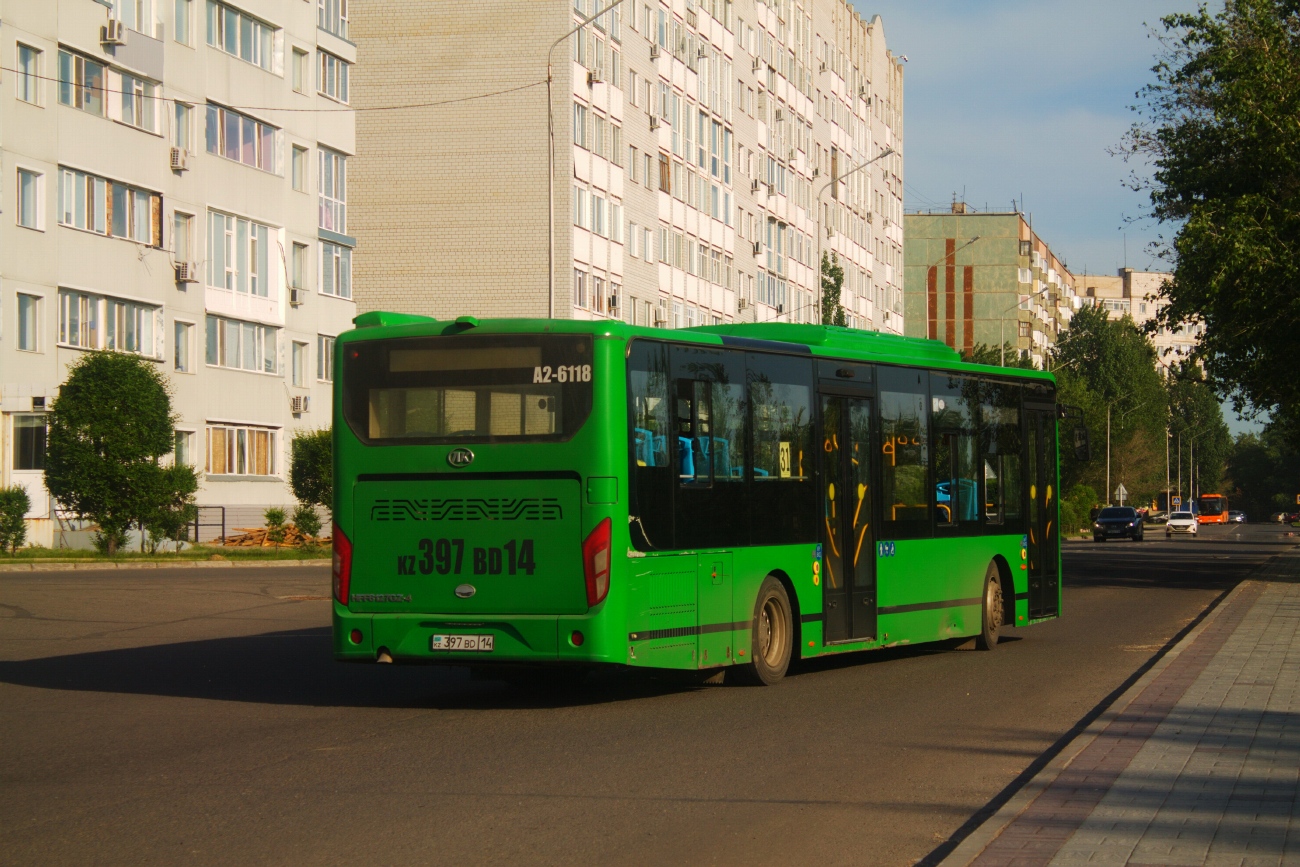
(514, 638)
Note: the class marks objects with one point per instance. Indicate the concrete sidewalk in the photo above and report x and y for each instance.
(1197, 763)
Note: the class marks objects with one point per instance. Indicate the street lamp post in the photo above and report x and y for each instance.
(1122, 415)
(1003, 319)
(550, 174)
(818, 202)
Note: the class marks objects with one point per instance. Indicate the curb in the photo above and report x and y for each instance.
(978, 840)
(69, 566)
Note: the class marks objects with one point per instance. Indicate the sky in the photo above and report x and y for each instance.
(1012, 99)
(1005, 99)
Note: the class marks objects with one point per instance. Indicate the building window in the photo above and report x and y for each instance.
(298, 267)
(243, 139)
(183, 347)
(301, 61)
(299, 362)
(29, 74)
(183, 447)
(239, 255)
(183, 23)
(332, 17)
(184, 128)
(132, 327)
(335, 270)
(1024, 329)
(136, 14)
(241, 35)
(29, 441)
(580, 207)
(332, 76)
(85, 202)
(241, 345)
(29, 322)
(30, 188)
(298, 169)
(89, 321)
(139, 103)
(333, 191)
(182, 237)
(324, 358)
(242, 450)
(579, 288)
(81, 83)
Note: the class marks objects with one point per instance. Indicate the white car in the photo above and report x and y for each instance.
(1183, 523)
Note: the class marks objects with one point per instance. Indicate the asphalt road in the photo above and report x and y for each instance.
(196, 716)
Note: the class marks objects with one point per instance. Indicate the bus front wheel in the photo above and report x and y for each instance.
(772, 641)
(991, 616)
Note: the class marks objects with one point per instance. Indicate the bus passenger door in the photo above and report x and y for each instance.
(1043, 534)
(848, 536)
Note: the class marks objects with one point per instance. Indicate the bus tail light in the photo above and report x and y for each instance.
(342, 565)
(595, 562)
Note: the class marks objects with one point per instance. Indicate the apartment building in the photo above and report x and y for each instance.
(701, 154)
(175, 177)
(985, 278)
(1137, 294)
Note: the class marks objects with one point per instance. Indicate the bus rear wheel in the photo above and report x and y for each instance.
(991, 616)
(772, 640)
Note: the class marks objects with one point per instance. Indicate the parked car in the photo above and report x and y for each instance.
(1277, 517)
(1235, 517)
(1182, 523)
(1117, 522)
(1291, 518)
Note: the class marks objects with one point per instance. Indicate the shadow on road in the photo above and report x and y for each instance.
(296, 668)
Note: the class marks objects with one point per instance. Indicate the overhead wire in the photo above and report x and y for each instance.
(327, 110)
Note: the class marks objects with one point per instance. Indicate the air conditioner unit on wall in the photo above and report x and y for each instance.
(654, 122)
(758, 247)
(595, 76)
(753, 188)
(758, 63)
(113, 33)
(300, 403)
(742, 304)
(180, 159)
(654, 51)
(297, 296)
(661, 316)
(187, 272)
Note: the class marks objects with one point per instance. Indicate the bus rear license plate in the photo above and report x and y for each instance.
(472, 643)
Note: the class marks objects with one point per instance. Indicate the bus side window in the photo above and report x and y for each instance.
(694, 432)
(1002, 444)
(783, 503)
(953, 403)
(650, 474)
(905, 453)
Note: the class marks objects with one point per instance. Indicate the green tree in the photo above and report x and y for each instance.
(982, 353)
(111, 424)
(306, 521)
(1263, 474)
(1219, 126)
(1196, 423)
(832, 289)
(1106, 367)
(14, 506)
(311, 468)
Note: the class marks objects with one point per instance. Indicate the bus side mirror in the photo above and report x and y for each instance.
(1082, 443)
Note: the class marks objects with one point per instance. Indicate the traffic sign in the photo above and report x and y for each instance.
(1178, 501)
(1121, 492)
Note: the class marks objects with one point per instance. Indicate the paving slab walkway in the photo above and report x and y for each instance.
(1197, 764)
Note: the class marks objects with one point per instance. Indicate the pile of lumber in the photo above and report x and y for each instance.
(259, 537)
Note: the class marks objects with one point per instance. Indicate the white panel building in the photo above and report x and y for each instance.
(175, 177)
(695, 145)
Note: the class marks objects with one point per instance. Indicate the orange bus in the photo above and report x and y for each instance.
(1212, 509)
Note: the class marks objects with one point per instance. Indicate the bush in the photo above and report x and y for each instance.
(274, 524)
(14, 506)
(311, 468)
(109, 540)
(1076, 509)
(307, 520)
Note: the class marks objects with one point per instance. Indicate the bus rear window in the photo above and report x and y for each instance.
(467, 389)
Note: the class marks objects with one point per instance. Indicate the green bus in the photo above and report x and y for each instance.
(519, 491)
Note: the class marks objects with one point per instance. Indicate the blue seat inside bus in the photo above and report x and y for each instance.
(651, 450)
(967, 505)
